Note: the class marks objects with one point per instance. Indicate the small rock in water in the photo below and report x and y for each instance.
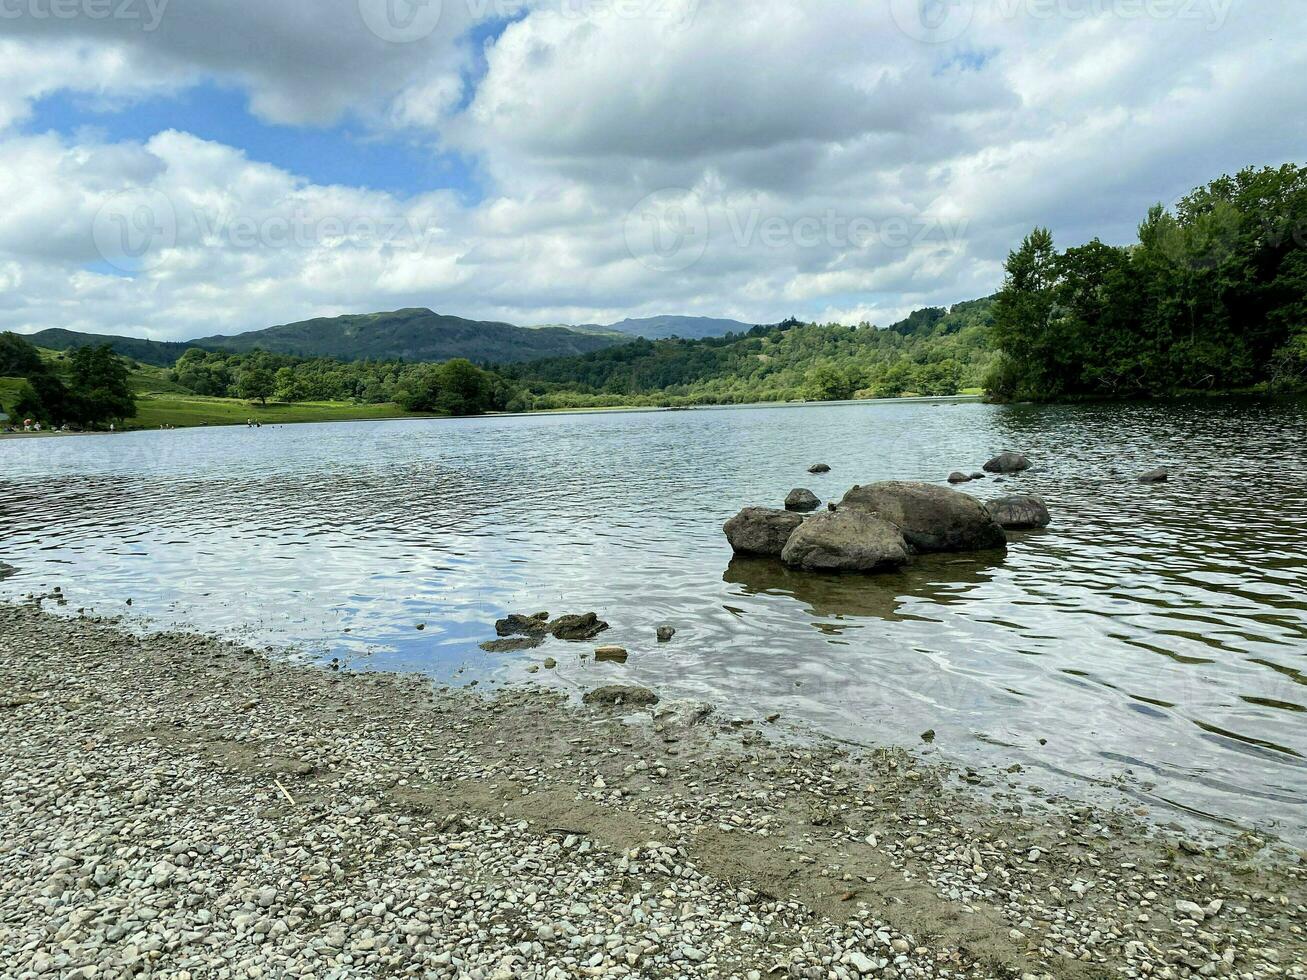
(516, 625)
(1019, 513)
(802, 501)
(1008, 463)
(665, 634)
(928, 735)
(512, 645)
(819, 468)
(956, 477)
(550, 663)
(611, 655)
(1159, 475)
(584, 627)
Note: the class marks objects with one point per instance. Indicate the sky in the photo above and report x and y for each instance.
(180, 168)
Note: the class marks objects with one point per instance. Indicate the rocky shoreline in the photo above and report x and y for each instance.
(176, 805)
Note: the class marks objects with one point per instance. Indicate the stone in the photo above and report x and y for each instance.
(583, 627)
(802, 501)
(1019, 512)
(1008, 463)
(621, 694)
(761, 531)
(819, 468)
(846, 541)
(681, 714)
(665, 634)
(611, 655)
(956, 478)
(516, 625)
(931, 518)
(1159, 475)
(512, 645)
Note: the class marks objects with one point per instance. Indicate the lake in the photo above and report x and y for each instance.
(1154, 631)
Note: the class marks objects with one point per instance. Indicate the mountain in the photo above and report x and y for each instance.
(685, 327)
(160, 353)
(410, 335)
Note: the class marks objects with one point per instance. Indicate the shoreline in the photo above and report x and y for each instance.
(557, 412)
(280, 817)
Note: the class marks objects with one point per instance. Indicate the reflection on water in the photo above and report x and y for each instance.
(942, 579)
(1156, 629)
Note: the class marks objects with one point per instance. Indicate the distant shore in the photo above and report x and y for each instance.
(369, 416)
(227, 810)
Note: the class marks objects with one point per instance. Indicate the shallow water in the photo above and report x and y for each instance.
(1154, 630)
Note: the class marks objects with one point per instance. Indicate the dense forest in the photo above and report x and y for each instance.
(1211, 298)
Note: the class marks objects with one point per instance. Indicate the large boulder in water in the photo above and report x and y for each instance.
(1008, 463)
(1019, 512)
(931, 518)
(846, 541)
(802, 501)
(761, 531)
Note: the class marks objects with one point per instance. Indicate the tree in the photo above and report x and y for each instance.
(18, 358)
(256, 381)
(100, 389)
(456, 387)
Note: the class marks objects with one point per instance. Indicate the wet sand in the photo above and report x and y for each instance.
(176, 805)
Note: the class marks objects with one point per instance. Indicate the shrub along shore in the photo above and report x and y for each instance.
(176, 805)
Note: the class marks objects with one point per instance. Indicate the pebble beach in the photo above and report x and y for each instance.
(175, 805)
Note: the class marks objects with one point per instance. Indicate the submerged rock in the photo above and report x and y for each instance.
(846, 541)
(621, 694)
(819, 468)
(956, 477)
(665, 634)
(931, 518)
(583, 627)
(1159, 475)
(1008, 463)
(1019, 512)
(802, 501)
(761, 531)
(513, 645)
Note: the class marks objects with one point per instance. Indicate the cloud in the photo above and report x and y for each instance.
(749, 159)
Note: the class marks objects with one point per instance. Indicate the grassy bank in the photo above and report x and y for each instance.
(181, 411)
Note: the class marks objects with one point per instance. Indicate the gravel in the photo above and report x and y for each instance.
(177, 806)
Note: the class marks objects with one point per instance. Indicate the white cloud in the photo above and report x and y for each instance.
(837, 167)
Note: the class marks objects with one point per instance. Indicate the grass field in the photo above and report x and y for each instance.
(154, 410)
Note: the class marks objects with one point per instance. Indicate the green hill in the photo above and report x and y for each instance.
(933, 352)
(411, 335)
(156, 352)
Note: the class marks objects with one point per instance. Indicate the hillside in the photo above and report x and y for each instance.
(933, 352)
(410, 335)
(159, 353)
(662, 328)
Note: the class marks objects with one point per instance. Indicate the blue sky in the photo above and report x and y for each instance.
(402, 163)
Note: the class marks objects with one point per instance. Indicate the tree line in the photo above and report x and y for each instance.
(1212, 297)
(84, 388)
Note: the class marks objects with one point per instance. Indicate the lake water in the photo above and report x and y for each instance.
(1159, 631)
